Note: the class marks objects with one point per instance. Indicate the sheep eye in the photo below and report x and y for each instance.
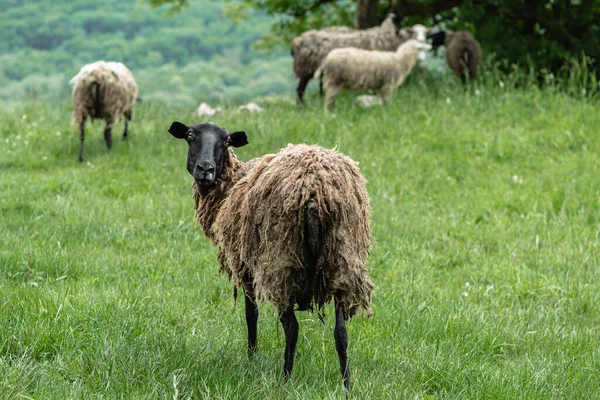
(190, 136)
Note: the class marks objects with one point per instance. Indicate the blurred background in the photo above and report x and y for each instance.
(185, 52)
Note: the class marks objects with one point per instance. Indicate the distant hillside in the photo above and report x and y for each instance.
(182, 59)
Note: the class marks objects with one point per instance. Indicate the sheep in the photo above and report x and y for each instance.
(103, 90)
(292, 229)
(357, 69)
(462, 52)
(310, 48)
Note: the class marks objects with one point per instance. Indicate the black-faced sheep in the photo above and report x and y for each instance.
(310, 48)
(103, 90)
(357, 69)
(292, 228)
(462, 52)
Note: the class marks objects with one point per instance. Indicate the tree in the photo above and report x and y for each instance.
(539, 34)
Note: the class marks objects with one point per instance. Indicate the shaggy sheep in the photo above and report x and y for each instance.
(357, 69)
(462, 52)
(292, 228)
(103, 90)
(310, 48)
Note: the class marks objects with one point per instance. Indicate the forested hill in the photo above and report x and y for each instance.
(196, 55)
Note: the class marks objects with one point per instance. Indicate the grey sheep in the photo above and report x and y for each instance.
(103, 90)
(463, 52)
(358, 69)
(310, 48)
(292, 229)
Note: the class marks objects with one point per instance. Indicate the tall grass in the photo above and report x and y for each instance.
(486, 225)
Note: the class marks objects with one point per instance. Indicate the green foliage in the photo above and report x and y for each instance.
(541, 34)
(486, 215)
(50, 40)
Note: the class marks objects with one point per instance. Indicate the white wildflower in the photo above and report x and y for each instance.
(501, 84)
(448, 100)
(58, 133)
(465, 294)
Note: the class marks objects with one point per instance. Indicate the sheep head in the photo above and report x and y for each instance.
(208, 145)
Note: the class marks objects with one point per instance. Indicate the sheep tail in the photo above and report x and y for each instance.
(95, 92)
(468, 63)
(314, 291)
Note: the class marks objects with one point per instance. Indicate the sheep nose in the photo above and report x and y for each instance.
(206, 167)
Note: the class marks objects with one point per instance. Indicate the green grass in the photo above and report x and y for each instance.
(486, 224)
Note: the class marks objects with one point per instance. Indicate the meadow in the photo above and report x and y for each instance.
(486, 224)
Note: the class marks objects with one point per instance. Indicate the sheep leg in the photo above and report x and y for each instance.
(321, 86)
(127, 119)
(386, 95)
(330, 97)
(341, 343)
(81, 139)
(301, 88)
(290, 327)
(108, 136)
(251, 321)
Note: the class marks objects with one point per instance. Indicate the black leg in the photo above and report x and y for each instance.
(81, 139)
(127, 119)
(341, 343)
(301, 87)
(321, 86)
(251, 321)
(108, 137)
(290, 327)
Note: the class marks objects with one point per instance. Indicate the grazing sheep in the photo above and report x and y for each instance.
(292, 228)
(310, 48)
(462, 52)
(103, 90)
(357, 69)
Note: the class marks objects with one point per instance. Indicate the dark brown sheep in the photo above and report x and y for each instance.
(463, 52)
(292, 228)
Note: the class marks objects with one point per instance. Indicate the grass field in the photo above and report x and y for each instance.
(486, 224)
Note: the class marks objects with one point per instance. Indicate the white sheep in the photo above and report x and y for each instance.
(357, 69)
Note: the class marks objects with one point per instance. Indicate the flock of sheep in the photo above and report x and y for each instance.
(292, 228)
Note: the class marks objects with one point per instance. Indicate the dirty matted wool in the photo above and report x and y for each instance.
(258, 219)
(116, 92)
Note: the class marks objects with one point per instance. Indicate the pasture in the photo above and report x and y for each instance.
(486, 224)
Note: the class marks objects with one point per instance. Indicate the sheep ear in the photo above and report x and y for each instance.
(238, 139)
(178, 130)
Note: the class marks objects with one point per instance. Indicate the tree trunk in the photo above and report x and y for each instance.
(366, 14)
